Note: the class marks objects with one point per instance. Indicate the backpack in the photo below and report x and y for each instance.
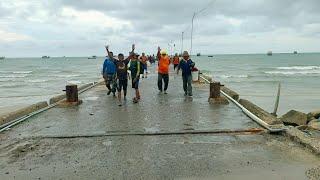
(138, 63)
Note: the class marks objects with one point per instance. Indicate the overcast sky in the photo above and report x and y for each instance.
(83, 27)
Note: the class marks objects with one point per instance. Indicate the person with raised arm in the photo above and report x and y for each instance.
(135, 69)
(122, 73)
(109, 73)
(163, 70)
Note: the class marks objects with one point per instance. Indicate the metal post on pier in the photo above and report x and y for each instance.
(72, 97)
(215, 96)
(72, 93)
(215, 89)
(276, 105)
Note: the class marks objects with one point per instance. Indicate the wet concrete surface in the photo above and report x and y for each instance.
(37, 148)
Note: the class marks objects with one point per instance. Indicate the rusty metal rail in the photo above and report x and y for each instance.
(159, 133)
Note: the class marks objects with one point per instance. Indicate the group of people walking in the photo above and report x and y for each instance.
(116, 72)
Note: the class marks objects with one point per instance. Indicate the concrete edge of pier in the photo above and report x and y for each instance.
(293, 133)
(19, 113)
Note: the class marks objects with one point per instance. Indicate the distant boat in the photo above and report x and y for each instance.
(198, 54)
(45, 57)
(2, 58)
(92, 57)
(269, 53)
(210, 56)
(295, 52)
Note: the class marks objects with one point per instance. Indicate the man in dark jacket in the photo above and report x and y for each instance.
(186, 65)
(109, 73)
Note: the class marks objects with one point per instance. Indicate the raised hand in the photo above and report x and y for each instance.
(107, 47)
(159, 48)
(133, 47)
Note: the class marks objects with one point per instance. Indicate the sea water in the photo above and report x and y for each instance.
(255, 77)
(24, 81)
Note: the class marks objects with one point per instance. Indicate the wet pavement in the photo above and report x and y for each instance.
(98, 140)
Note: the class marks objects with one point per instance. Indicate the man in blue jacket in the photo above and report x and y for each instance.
(186, 65)
(109, 74)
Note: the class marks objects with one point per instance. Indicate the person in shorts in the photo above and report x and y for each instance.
(122, 74)
(143, 60)
(135, 75)
(109, 73)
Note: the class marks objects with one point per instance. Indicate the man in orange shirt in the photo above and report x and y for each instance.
(176, 61)
(163, 70)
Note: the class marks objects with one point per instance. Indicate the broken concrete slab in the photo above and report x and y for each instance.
(315, 114)
(314, 124)
(294, 118)
(299, 136)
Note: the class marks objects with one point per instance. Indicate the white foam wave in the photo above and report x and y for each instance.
(232, 76)
(293, 72)
(22, 72)
(74, 82)
(65, 76)
(299, 68)
(13, 76)
(36, 80)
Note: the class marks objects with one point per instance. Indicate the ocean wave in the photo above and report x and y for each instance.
(36, 81)
(65, 76)
(13, 85)
(289, 73)
(22, 72)
(231, 76)
(13, 76)
(299, 68)
(74, 82)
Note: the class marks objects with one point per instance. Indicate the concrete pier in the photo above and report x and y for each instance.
(149, 140)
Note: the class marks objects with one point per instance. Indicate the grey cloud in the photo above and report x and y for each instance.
(156, 22)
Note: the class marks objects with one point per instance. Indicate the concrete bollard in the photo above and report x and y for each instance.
(215, 97)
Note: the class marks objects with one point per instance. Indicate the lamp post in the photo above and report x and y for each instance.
(182, 42)
(194, 14)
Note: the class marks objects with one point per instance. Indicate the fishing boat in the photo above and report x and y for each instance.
(45, 57)
(210, 56)
(269, 53)
(295, 52)
(92, 57)
(198, 54)
(2, 58)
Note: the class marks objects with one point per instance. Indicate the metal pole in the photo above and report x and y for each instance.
(182, 43)
(194, 14)
(276, 105)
